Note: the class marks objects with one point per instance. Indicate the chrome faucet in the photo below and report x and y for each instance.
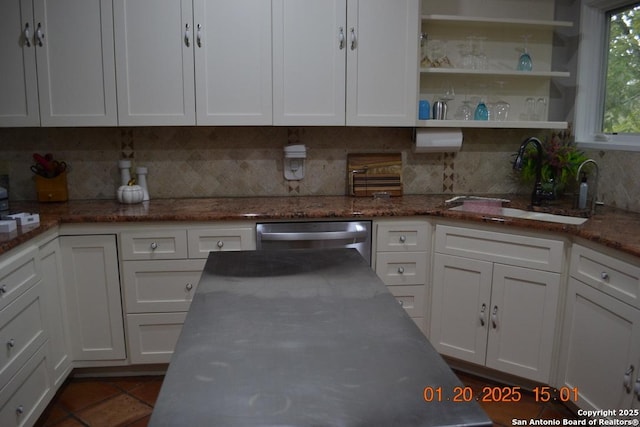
(538, 194)
(594, 201)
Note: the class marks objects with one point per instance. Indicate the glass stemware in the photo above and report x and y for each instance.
(525, 63)
(481, 112)
(501, 106)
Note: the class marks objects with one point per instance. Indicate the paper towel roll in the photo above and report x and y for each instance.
(438, 140)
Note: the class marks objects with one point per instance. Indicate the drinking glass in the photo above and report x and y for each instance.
(465, 111)
(481, 112)
(525, 63)
(501, 107)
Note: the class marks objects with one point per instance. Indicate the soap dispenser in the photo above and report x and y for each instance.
(582, 194)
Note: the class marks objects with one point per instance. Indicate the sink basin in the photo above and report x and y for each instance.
(524, 214)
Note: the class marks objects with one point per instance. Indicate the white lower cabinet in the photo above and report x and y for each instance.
(56, 311)
(92, 288)
(600, 351)
(494, 314)
(161, 268)
(402, 257)
(24, 398)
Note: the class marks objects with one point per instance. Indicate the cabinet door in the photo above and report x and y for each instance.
(522, 321)
(76, 74)
(56, 311)
(460, 307)
(309, 43)
(92, 287)
(18, 85)
(233, 62)
(382, 62)
(154, 62)
(600, 343)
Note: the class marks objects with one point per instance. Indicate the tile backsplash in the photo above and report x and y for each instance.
(248, 161)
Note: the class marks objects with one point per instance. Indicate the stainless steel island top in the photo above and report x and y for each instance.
(303, 338)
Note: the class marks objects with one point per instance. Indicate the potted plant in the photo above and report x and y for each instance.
(560, 161)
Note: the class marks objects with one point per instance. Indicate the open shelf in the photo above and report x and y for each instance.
(497, 21)
(502, 73)
(491, 124)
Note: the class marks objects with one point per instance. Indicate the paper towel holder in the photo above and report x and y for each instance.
(437, 140)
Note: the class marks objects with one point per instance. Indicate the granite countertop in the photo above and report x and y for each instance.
(611, 227)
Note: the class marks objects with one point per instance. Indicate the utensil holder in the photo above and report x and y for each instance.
(52, 189)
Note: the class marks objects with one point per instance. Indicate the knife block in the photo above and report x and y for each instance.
(52, 189)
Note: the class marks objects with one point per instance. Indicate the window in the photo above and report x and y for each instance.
(608, 96)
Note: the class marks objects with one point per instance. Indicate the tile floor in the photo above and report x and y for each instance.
(128, 401)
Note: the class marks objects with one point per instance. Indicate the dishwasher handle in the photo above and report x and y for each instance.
(357, 236)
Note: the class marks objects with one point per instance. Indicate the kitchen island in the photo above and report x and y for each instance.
(303, 338)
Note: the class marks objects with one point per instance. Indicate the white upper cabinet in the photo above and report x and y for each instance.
(233, 62)
(338, 62)
(74, 50)
(154, 62)
(309, 44)
(72, 42)
(18, 82)
(382, 62)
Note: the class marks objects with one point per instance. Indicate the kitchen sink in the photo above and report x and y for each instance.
(498, 211)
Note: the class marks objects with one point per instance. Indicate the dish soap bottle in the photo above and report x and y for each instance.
(582, 194)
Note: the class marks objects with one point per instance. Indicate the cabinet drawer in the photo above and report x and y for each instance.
(608, 274)
(24, 398)
(21, 331)
(18, 272)
(403, 236)
(156, 244)
(510, 249)
(205, 240)
(152, 286)
(402, 268)
(411, 298)
(153, 336)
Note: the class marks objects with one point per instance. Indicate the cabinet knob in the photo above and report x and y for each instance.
(153, 246)
(39, 35)
(220, 244)
(400, 270)
(187, 35)
(189, 286)
(26, 33)
(401, 303)
(604, 276)
(494, 317)
(483, 309)
(626, 381)
(20, 410)
(3, 289)
(354, 38)
(11, 343)
(403, 238)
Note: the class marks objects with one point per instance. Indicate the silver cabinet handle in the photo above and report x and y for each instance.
(3, 290)
(220, 244)
(636, 388)
(199, 35)
(627, 378)
(189, 286)
(604, 276)
(153, 246)
(483, 309)
(340, 38)
(403, 238)
(11, 343)
(39, 35)
(26, 33)
(354, 38)
(494, 317)
(357, 236)
(187, 35)
(400, 270)
(20, 410)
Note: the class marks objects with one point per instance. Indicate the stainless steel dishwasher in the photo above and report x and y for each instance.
(315, 234)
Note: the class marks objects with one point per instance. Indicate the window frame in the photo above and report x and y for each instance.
(590, 73)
